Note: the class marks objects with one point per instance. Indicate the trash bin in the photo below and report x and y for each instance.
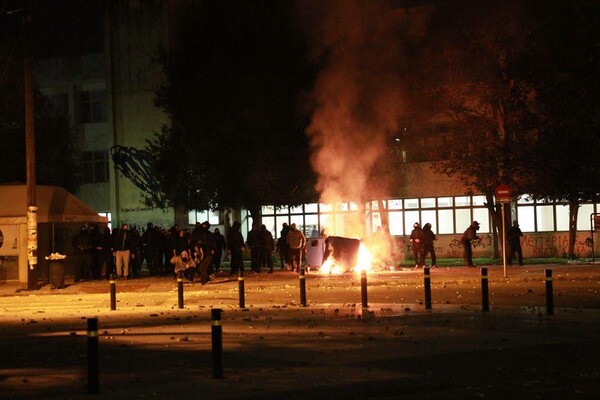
(315, 249)
(57, 270)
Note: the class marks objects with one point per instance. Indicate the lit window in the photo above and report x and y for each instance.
(429, 216)
(282, 210)
(325, 207)
(526, 218)
(312, 225)
(410, 217)
(545, 218)
(525, 199)
(463, 219)
(562, 217)
(446, 218)
(428, 203)
(462, 201)
(411, 203)
(395, 219)
(444, 201)
(296, 210)
(479, 201)
(311, 208)
(268, 210)
(583, 217)
(394, 204)
(481, 215)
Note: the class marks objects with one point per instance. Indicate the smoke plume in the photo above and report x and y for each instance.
(357, 95)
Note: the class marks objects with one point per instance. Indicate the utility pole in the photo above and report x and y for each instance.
(32, 242)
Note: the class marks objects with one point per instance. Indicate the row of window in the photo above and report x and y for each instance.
(447, 215)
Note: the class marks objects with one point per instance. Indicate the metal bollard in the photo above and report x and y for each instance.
(241, 288)
(113, 292)
(363, 288)
(217, 342)
(485, 302)
(93, 385)
(302, 278)
(427, 283)
(549, 294)
(180, 289)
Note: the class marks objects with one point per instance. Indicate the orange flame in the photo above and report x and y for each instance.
(364, 262)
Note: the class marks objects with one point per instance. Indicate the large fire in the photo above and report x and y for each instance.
(364, 262)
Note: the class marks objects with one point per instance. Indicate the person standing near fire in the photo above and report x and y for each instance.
(514, 243)
(428, 246)
(235, 246)
(122, 251)
(467, 239)
(296, 242)
(282, 246)
(416, 242)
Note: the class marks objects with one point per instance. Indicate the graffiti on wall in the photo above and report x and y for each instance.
(534, 245)
(554, 245)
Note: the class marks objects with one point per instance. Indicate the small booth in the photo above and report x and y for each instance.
(60, 215)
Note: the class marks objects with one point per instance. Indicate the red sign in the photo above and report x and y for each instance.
(503, 193)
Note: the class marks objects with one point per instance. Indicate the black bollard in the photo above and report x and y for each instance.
(363, 288)
(427, 282)
(93, 385)
(217, 342)
(485, 302)
(113, 292)
(302, 278)
(549, 294)
(180, 289)
(241, 288)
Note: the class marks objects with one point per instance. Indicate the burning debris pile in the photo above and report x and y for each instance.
(351, 255)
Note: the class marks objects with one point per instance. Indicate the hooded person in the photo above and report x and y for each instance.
(235, 246)
(184, 263)
(416, 242)
(468, 236)
(296, 242)
(428, 248)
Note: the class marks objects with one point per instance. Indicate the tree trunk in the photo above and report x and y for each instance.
(255, 214)
(496, 214)
(384, 216)
(573, 211)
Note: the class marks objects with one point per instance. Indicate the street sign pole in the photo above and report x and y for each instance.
(503, 195)
(504, 238)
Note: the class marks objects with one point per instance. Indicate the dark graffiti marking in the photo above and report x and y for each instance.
(134, 164)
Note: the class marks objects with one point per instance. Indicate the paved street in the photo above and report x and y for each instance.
(274, 348)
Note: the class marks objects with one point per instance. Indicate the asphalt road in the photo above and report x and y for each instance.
(276, 349)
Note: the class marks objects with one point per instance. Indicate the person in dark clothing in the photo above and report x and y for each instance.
(428, 247)
(254, 245)
(106, 256)
(95, 251)
(220, 246)
(136, 260)
(266, 248)
(151, 243)
(416, 241)
(83, 259)
(282, 246)
(203, 246)
(467, 239)
(514, 243)
(235, 246)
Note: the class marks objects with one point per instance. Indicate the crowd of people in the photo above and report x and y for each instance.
(125, 251)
